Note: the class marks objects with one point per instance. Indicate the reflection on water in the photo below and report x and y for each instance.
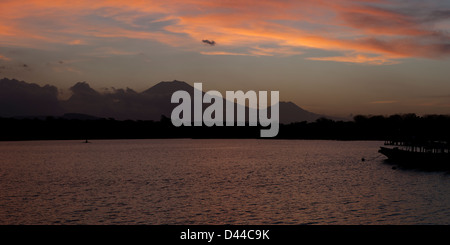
(186, 181)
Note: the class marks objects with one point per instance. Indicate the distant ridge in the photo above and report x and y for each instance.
(168, 88)
(18, 98)
(290, 112)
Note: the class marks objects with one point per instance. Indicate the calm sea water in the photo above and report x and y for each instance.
(185, 181)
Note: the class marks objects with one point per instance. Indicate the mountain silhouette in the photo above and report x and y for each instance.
(18, 98)
(166, 89)
(290, 112)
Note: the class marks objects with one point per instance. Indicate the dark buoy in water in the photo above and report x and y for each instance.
(87, 141)
(363, 159)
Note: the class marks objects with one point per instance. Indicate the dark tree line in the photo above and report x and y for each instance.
(432, 127)
(408, 126)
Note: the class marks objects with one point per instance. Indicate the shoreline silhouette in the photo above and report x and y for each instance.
(430, 128)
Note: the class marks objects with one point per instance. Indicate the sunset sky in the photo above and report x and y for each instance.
(336, 57)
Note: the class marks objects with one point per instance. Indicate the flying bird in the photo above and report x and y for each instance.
(211, 43)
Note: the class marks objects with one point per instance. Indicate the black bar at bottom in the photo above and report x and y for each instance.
(224, 234)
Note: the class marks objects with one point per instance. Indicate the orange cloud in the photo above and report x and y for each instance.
(374, 31)
(4, 58)
(359, 58)
(222, 53)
